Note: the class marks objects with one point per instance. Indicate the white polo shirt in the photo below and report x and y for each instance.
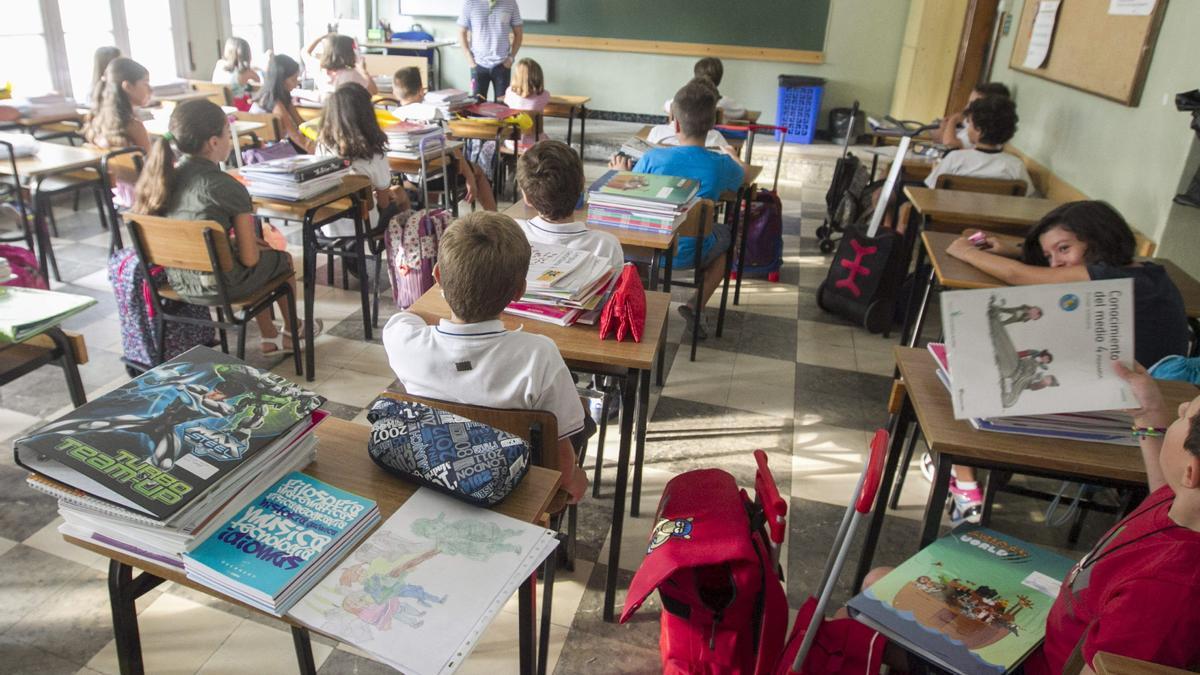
(978, 163)
(482, 364)
(575, 235)
(664, 134)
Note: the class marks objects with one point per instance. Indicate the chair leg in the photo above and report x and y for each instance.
(98, 193)
(605, 400)
(902, 471)
(696, 323)
(295, 329)
(53, 222)
(329, 269)
(547, 603)
(241, 341)
(378, 282)
(221, 331)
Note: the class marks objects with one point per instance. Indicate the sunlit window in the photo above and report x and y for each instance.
(151, 37)
(24, 61)
(246, 20)
(285, 28)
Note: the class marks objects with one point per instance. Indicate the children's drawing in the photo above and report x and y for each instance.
(1021, 370)
(467, 537)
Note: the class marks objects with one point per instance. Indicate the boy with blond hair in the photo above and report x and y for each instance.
(471, 358)
(551, 178)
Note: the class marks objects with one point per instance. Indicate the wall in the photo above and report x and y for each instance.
(861, 46)
(1135, 157)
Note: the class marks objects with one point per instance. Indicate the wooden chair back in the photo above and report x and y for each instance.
(180, 243)
(523, 423)
(993, 186)
(268, 133)
(217, 93)
(123, 165)
(699, 220)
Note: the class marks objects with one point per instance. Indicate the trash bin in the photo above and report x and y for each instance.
(798, 106)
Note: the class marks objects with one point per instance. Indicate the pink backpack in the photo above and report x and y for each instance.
(412, 239)
(25, 270)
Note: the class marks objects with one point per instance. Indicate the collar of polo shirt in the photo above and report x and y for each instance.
(572, 227)
(478, 329)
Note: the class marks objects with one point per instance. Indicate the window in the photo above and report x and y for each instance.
(151, 37)
(86, 25)
(246, 22)
(23, 42)
(285, 28)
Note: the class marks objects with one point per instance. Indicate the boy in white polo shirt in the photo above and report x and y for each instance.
(551, 178)
(471, 358)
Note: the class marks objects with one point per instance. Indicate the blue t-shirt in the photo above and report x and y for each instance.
(716, 171)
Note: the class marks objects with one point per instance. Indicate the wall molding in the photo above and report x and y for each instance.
(673, 48)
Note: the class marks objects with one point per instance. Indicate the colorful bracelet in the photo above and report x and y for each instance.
(1148, 432)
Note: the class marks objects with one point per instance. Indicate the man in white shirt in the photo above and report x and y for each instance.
(483, 28)
(471, 358)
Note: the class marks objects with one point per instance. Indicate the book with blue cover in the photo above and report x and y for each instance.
(282, 543)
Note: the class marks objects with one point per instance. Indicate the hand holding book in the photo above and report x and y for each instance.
(1153, 411)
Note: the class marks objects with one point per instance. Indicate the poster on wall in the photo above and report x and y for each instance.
(1131, 7)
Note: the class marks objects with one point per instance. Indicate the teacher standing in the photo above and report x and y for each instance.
(483, 28)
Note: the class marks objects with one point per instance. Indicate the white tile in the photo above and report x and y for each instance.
(769, 299)
(827, 462)
(49, 540)
(97, 280)
(636, 531)
(372, 359)
(178, 636)
(497, 652)
(763, 385)
(875, 362)
(818, 332)
(829, 356)
(12, 423)
(866, 341)
(353, 388)
(705, 380)
(257, 648)
(6, 544)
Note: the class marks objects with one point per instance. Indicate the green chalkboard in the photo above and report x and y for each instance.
(778, 24)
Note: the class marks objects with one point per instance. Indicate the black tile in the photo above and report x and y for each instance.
(345, 663)
(20, 657)
(341, 410)
(28, 577)
(23, 510)
(79, 608)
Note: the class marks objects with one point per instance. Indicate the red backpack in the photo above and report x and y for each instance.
(724, 608)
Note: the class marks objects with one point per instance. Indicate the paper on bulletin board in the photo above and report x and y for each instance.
(1131, 7)
(1043, 33)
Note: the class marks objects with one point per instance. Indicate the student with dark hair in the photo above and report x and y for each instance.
(100, 60)
(350, 130)
(991, 122)
(1078, 241)
(112, 122)
(197, 189)
(710, 67)
(953, 129)
(275, 98)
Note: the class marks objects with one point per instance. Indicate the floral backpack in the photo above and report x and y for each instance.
(412, 239)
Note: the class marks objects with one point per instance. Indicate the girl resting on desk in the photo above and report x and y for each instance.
(1078, 241)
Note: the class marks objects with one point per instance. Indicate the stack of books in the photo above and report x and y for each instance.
(175, 87)
(157, 466)
(49, 105)
(639, 201)
(25, 312)
(438, 105)
(564, 286)
(294, 178)
(279, 546)
(404, 138)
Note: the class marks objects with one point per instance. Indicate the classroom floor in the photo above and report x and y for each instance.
(785, 377)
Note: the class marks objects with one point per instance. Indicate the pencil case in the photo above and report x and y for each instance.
(469, 460)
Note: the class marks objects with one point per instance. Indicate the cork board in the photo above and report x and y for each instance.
(1093, 51)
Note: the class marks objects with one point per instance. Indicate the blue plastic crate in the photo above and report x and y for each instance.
(798, 107)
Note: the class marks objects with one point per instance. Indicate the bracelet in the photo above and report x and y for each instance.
(1148, 432)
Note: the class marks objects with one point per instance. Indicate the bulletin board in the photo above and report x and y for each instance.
(1092, 50)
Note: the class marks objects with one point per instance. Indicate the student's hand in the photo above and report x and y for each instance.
(960, 248)
(1153, 411)
(576, 486)
(620, 163)
(508, 62)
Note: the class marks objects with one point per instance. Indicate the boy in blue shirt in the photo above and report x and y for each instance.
(695, 111)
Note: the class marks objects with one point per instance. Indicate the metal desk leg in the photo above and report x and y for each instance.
(628, 390)
(582, 123)
(639, 455)
(304, 654)
(69, 365)
(310, 289)
(360, 252)
(662, 352)
(652, 273)
(937, 499)
(919, 323)
(910, 311)
(46, 260)
(733, 229)
(527, 642)
(571, 126)
(875, 526)
(737, 287)
(123, 591)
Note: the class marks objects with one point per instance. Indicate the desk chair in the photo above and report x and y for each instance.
(119, 166)
(217, 93)
(344, 247)
(385, 102)
(55, 345)
(510, 155)
(698, 225)
(539, 428)
(267, 134)
(994, 186)
(203, 246)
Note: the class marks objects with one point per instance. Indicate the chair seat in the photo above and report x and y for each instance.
(263, 291)
(69, 180)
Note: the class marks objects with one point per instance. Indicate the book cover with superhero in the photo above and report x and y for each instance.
(284, 537)
(159, 441)
(974, 601)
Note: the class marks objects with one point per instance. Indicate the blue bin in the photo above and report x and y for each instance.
(799, 107)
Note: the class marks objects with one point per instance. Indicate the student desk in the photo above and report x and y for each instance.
(582, 349)
(916, 167)
(644, 134)
(927, 403)
(403, 165)
(32, 122)
(341, 461)
(1111, 664)
(33, 171)
(344, 201)
(51, 345)
(171, 100)
(570, 107)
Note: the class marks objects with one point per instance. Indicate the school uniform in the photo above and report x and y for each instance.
(574, 235)
(1159, 320)
(977, 163)
(483, 364)
(204, 192)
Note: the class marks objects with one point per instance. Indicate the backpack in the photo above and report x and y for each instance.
(268, 152)
(764, 236)
(135, 309)
(412, 239)
(24, 266)
(724, 608)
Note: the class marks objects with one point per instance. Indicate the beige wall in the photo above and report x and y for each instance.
(927, 56)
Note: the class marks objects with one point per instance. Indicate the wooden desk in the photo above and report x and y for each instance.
(916, 167)
(569, 107)
(171, 100)
(582, 349)
(52, 159)
(956, 210)
(1111, 664)
(344, 201)
(342, 461)
(927, 403)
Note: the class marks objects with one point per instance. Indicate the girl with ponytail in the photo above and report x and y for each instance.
(182, 180)
(113, 122)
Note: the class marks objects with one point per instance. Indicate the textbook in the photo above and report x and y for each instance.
(203, 422)
(25, 312)
(298, 168)
(628, 188)
(1030, 350)
(282, 543)
(421, 590)
(973, 602)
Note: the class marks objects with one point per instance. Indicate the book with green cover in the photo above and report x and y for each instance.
(974, 601)
(25, 312)
(626, 185)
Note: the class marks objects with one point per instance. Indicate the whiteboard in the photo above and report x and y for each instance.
(531, 10)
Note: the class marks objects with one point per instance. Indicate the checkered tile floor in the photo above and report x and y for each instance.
(803, 385)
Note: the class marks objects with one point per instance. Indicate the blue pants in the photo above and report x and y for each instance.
(498, 76)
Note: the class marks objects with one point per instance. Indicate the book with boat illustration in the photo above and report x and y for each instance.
(1029, 350)
(974, 601)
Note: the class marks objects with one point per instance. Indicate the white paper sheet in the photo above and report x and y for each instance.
(1043, 34)
(1131, 7)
